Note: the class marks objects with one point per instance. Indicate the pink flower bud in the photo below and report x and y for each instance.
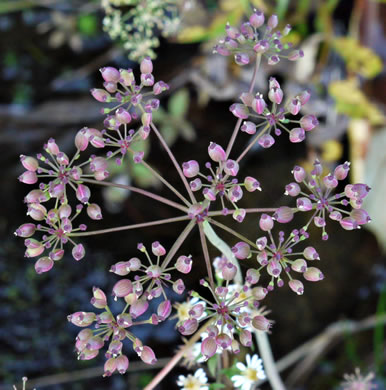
(138, 307)
(261, 243)
(81, 140)
(261, 323)
(275, 95)
(242, 59)
(299, 173)
(231, 167)
(99, 299)
(122, 288)
(303, 204)
(265, 222)
(124, 320)
(197, 311)
(229, 271)
(360, 190)
(297, 135)
(273, 60)
(82, 318)
(308, 122)
(196, 184)
(83, 193)
(37, 211)
(296, 286)
(94, 342)
(29, 163)
(109, 367)
(313, 274)
(44, 264)
(241, 250)
(251, 184)
(299, 265)
(259, 104)
(341, 171)
(52, 147)
(126, 76)
(274, 268)
(188, 327)
(26, 230)
(122, 363)
(235, 347)
(310, 253)
(110, 86)
(159, 87)
(101, 95)
(110, 74)
(261, 46)
(178, 286)
(157, 249)
(216, 152)
(257, 19)
(190, 168)
(348, 223)
(246, 338)
(138, 157)
(273, 21)
(147, 355)
(208, 347)
(266, 141)
(36, 196)
(304, 97)
(252, 276)
(94, 211)
(34, 248)
(121, 268)
(295, 55)
(123, 116)
(184, 264)
(292, 189)
(283, 214)
(239, 215)
(146, 65)
(259, 293)
(294, 106)
(78, 252)
(223, 340)
(247, 98)
(248, 127)
(232, 32)
(164, 309)
(239, 110)
(97, 142)
(28, 177)
(361, 216)
(147, 79)
(335, 215)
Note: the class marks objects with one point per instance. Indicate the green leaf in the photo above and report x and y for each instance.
(212, 365)
(281, 8)
(214, 386)
(88, 24)
(179, 103)
(169, 133)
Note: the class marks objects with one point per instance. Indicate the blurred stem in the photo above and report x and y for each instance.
(238, 123)
(257, 137)
(138, 191)
(206, 255)
(250, 211)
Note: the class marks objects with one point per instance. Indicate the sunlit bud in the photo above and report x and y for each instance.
(248, 127)
(246, 338)
(287, 29)
(297, 135)
(229, 271)
(126, 76)
(313, 274)
(361, 216)
(266, 141)
(299, 173)
(94, 211)
(28, 177)
(216, 152)
(134, 264)
(308, 122)
(292, 189)
(147, 355)
(94, 343)
(241, 250)
(239, 215)
(195, 184)
(259, 104)
(110, 74)
(184, 264)
(247, 98)
(310, 253)
(294, 106)
(109, 367)
(319, 221)
(274, 268)
(78, 252)
(275, 95)
(98, 164)
(348, 223)
(197, 311)
(100, 95)
(259, 293)
(147, 79)
(261, 323)
(105, 318)
(231, 167)
(256, 19)
(265, 222)
(36, 196)
(29, 163)
(99, 299)
(235, 346)
(273, 60)
(251, 184)
(232, 32)
(146, 65)
(157, 249)
(191, 168)
(261, 243)
(159, 87)
(188, 327)
(330, 181)
(283, 214)
(299, 265)
(37, 211)
(56, 190)
(52, 147)
(81, 139)
(252, 276)
(110, 86)
(261, 46)
(164, 309)
(26, 230)
(273, 21)
(360, 190)
(44, 264)
(122, 363)
(82, 318)
(296, 286)
(121, 268)
(83, 193)
(239, 110)
(295, 55)
(122, 288)
(87, 354)
(341, 171)
(124, 320)
(178, 286)
(34, 247)
(208, 347)
(303, 204)
(335, 215)
(146, 118)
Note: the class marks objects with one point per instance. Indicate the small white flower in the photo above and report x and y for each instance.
(249, 374)
(196, 382)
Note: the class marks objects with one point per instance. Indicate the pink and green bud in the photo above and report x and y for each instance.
(110, 74)
(36, 196)
(109, 367)
(105, 318)
(196, 184)
(81, 139)
(242, 59)
(146, 65)
(251, 184)
(159, 87)
(184, 264)
(308, 122)
(259, 293)
(28, 177)
(126, 76)
(259, 104)
(44, 264)
(297, 135)
(122, 288)
(82, 318)
(241, 250)
(261, 323)
(335, 215)
(124, 320)
(147, 79)
(299, 265)
(37, 211)
(303, 204)
(231, 167)
(313, 274)
(208, 347)
(99, 299)
(87, 354)
(101, 95)
(310, 253)
(179, 286)
(83, 193)
(273, 21)
(287, 29)
(274, 268)
(97, 142)
(239, 110)
(52, 147)
(122, 363)
(138, 307)
(164, 309)
(94, 343)
(341, 171)
(246, 337)
(29, 163)
(235, 346)
(232, 32)
(239, 215)
(191, 168)
(296, 286)
(94, 211)
(283, 214)
(275, 95)
(123, 116)
(330, 181)
(304, 97)
(266, 222)
(361, 216)
(110, 86)
(78, 252)
(197, 311)
(157, 249)
(188, 327)
(348, 223)
(147, 355)
(257, 19)
(26, 230)
(209, 194)
(138, 157)
(34, 247)
(252, 276)
(261, 243)
(248, 127)
(266, 141)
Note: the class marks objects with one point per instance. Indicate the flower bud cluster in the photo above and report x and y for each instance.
(112, 330)
(322, 201)
(273, 120)
(248, 41)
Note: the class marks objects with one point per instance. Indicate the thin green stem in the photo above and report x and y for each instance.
(257, 137)
(250, 211)
(206, 255)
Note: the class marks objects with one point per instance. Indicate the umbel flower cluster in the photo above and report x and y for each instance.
(224, 309)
